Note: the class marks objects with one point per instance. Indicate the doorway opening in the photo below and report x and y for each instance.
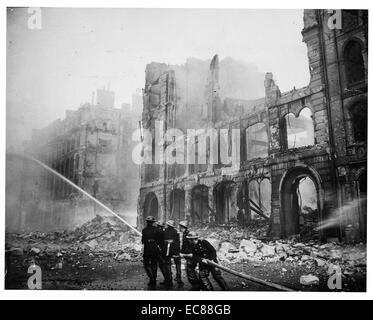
(151, 206)
(301, 210)
(177, 205)
(200, 206)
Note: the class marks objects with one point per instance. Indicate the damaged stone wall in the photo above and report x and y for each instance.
(90, 147)
(347, 96)
(327, 97)
(197, 82)
(324, 156)
(197, 103)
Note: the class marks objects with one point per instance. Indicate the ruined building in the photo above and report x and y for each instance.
(303, 153)
(90, 147)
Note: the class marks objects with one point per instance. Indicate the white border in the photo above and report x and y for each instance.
(171, 295)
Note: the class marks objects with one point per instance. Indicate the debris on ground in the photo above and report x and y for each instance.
(103, 240)
(237, 245)
(309, 280)
(100, 235)
(35, 250)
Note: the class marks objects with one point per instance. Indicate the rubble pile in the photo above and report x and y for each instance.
(100, 235)
(233, 247)
(234, 234)
(104, 237)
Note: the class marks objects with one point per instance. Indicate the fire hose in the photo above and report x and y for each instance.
(241, 275)
(250, 278)
(211, 263)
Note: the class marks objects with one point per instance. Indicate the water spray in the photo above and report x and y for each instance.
(343, 215)
(43, 165)
(211, 263)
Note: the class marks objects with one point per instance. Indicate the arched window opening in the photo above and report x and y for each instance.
(151, 206)
(308, 210)
(256, 141)
(354, 63)
(259, 197)
(359, 121)
(200, 205)
(177, 205)
(299, 130)
(225, 202)
(301, 212)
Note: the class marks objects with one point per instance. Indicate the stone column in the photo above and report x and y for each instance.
(276, 219)
(211, 200)
(233, 201)
(188, 203)
(246, 199)
(162, 213)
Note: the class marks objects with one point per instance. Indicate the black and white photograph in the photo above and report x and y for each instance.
(186, 149)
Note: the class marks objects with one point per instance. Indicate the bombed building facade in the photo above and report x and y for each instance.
(89, 147)
(303, 153)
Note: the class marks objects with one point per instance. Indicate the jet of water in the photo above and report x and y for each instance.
(43, 165)
(344, 214)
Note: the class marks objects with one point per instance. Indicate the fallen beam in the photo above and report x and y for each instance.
(250, 278)
(244, 276)
(259, 213)
(255, 204)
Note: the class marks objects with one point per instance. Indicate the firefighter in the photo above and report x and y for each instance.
(151, 239)
(162, 265)
(191, 264)
(171, 250)
(160, 225)
(202, 250)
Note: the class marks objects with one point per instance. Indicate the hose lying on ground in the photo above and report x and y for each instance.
(238, 274)
(247, 277)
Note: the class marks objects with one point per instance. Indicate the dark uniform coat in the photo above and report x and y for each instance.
(204, 250)
(186, 246)
(151, 238)
(172, 236)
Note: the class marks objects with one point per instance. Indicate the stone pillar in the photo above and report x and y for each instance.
(167, 203)
(210, 168)
(211, 200)
(246, 200)
(233, 201)
(276, 219)
(140, 211)
(188, 203)
(162, 213)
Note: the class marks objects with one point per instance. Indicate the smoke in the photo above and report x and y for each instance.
(194, 83)
(32, 206)
(240, 80)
